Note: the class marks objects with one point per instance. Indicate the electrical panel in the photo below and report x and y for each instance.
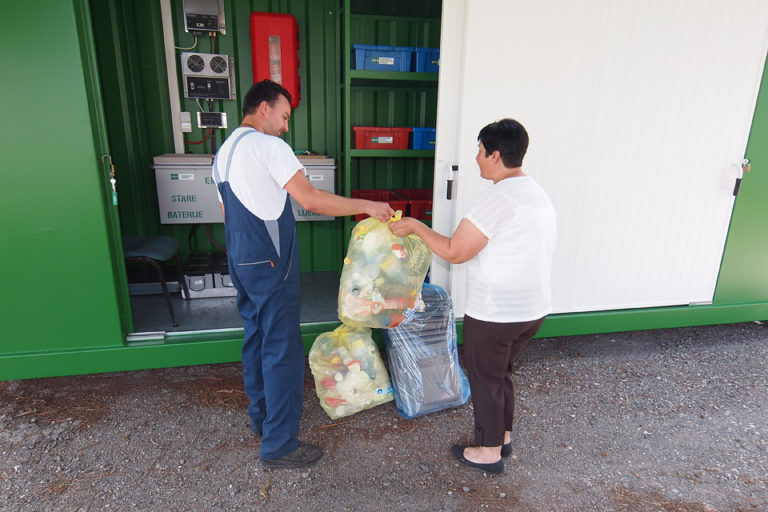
(208, 76)
(204, 16)
(212, 119)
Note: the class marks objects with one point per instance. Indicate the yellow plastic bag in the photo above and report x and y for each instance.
(349, 373)
(382, 275)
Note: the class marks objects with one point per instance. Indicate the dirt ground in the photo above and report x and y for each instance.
(667, 420)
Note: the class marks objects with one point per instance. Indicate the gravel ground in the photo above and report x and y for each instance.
(669, 420)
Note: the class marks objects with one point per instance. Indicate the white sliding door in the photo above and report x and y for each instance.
(638, 113)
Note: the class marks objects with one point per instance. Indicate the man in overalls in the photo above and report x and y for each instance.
(255, 170)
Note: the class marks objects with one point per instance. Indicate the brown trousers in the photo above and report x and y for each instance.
(490, 348)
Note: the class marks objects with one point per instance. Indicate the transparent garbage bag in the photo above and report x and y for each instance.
(382, 275)
(423, 359)
(349, 373)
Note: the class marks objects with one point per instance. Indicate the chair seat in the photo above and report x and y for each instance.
(160, 248)
(151, 249)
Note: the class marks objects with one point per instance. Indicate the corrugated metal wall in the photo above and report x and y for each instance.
(130, 49)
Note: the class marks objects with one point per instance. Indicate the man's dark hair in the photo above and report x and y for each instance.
(266, 90)
(509, 138)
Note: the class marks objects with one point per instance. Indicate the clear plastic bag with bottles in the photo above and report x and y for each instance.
(382, 275)
(349, 373)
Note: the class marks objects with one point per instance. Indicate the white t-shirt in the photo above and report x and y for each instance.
(509, 280)
(261, 166)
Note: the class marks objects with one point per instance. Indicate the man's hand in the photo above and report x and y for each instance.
(403, 227)
(381, 211)
(327, 203)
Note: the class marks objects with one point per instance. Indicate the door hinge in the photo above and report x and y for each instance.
(746, 165)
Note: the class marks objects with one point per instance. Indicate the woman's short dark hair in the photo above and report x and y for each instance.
(509, 138)
(266, 90)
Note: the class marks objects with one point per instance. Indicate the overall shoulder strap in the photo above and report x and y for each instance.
(217, 176)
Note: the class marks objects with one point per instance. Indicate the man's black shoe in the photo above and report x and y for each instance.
(304, 455)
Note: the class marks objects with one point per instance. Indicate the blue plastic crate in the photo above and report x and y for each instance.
(427, 60)
(383, 58)
(424, 138)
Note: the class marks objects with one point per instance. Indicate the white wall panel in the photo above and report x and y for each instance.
(638, 113)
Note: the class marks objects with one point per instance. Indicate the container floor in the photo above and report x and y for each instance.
(319, 295)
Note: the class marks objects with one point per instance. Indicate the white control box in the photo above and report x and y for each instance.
(186, 192)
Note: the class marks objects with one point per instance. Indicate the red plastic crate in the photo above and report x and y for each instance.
(415, 193)
(395, 200)
(376, 137)
(421, 209)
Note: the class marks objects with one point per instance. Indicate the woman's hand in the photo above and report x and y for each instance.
(404, 226)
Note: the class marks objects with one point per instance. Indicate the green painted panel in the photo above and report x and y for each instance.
(181, 350)
(210, 348)
(132, 78)
(395, 31)
(391, 173)
(397, 8)
(58, 284)
(744, 272)
(650, 318)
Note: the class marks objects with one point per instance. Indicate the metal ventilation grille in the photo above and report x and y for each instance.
(195, 63)
(218, 65)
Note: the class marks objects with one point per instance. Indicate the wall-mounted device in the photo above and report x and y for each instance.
(212, 119)
(204, 16)
(208, 76)
(274, 50)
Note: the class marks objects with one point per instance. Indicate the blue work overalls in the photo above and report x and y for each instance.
(263, 262)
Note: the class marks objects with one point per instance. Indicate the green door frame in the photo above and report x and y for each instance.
(101, 143)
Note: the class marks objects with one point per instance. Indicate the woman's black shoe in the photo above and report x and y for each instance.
(495, 467)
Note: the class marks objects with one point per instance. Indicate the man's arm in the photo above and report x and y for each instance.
(462, 246)
(325, 203)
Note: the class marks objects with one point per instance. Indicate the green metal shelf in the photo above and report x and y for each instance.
(392, 153)
(360, 88)
(362, 77)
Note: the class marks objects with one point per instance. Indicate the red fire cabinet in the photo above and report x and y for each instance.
(274, 50)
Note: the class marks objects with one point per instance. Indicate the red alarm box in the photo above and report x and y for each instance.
(274, 50)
